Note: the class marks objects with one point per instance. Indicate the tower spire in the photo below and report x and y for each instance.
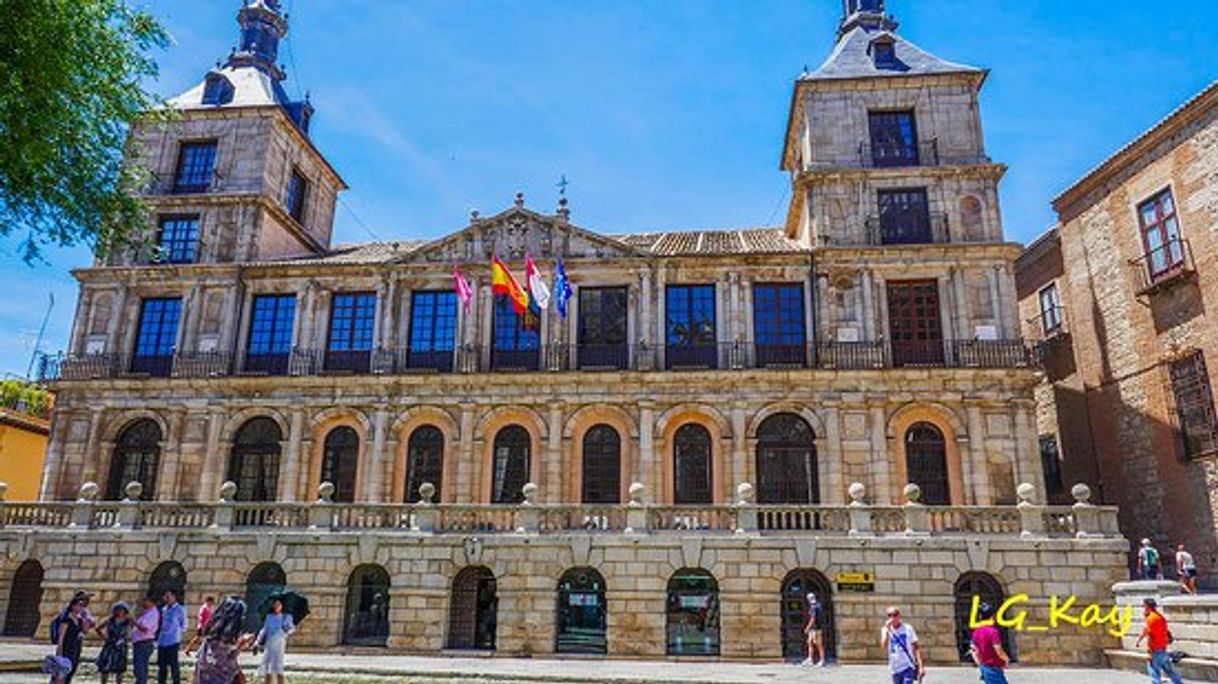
(263, 25)
(869, 14)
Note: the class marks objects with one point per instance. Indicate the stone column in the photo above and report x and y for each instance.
(469, 465)
(644, 463)
(171, 459)
(883, 459)
(962, 307)
(738, 467)
(722, 331)
(188, 337)
(552, 478)
(488, 333)
(830, 459)
(213, 470)
(746, 303)
(981, 471)
(91, 468)
(868, 308)
(881, 322)
(375, 466)
(572, 331)
(80, 321)
(237, 328)
(52, 466)
(646, 309)
(996, 301)
(661, 337)
(114, 345)
(1027, 467)
(1006, 307)
(294, 464)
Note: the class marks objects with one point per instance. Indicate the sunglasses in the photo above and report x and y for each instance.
(894, 615)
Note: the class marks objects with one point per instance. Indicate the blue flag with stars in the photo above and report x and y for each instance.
(562, 288)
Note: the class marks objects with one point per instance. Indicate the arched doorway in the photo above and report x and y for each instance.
(513, 449)
(786, 461)
(424, 461)
(340, 461)
(989, 589)
(796, 609)
(926, 463)
(367, 614)
(602, 466)
(693, 613)
(136, 455)
(583, 615)
(167, 576)
(692, 472)
(254, 461)
(265, 579)
(473, 616)
(24, 599)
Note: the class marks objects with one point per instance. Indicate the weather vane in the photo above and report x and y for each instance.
(562, 186)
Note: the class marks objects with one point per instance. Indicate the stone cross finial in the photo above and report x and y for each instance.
(519, 199)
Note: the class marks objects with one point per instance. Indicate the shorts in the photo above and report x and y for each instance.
(909, 676)
(1190, 573)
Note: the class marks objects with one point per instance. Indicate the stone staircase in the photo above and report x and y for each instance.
(1193, 621)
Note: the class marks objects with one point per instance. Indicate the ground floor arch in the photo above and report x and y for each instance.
(367, 615)
(693, 613)
(24, 598)
(263, 581)
(168, 576)
(473, 617)
(582, 615)
(796, 609)
(989, 590)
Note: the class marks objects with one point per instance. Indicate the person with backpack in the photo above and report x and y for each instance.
(1157, 638)
(813, 632)
(68, 630)
(169, 639)
(900, 641)
(1149, 563)
(143, 639)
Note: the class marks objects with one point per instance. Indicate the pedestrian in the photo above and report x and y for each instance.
(813, 632)
(904, 656)
(987, 650)
(273, 638)
(1186, 570)
(115, 632)
(169, 641)
(143, 639)
(1150, 566)
(223, 641)
(1158, 637)
(201, 620)
(68, 629)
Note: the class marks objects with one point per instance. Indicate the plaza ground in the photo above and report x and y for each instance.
(379, 669)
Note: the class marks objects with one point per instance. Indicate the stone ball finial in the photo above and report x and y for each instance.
(427, 492)
(530, 493)
(912, 493)
(520, 199)
(745, 492)
(133, 490)
(325, 492)
(228, 491)
(858, 493)
(1081, 493)
(637, 490)
(88, 492)
(1026, 493)
(3, 490)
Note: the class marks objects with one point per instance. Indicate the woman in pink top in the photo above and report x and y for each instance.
(987, 648)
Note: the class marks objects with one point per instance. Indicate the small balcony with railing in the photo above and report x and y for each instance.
(907, 229)
(1163, 268)
(895, 154)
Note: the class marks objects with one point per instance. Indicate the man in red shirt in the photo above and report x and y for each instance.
(987, 649)
(1157, 636)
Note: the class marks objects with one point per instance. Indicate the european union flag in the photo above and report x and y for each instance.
(563, 289)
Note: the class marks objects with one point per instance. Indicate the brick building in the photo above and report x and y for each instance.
(1122, 295)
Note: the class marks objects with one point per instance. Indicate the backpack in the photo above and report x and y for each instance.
(1152, 556)
(56, 625)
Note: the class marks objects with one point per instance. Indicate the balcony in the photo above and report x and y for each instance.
(1163, 268)
(932, 229)
(890, 156)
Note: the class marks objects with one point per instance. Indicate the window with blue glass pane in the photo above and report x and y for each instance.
(156, 336)
(516, 345)
(352, 319)
(178, 240)
(779, 327)
(270, 337)
(196, 165)
(298, 190)
(433, 329)
(690, 325)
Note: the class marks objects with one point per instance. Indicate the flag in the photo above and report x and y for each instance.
(504, 283)
(539, 292)
(563, 286)
(465, 291)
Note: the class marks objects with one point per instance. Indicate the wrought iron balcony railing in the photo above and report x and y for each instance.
(897, 155)
(933, 229)
(1163, 267)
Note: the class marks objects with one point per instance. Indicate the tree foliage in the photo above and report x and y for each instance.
(25, 397)
(72, 76)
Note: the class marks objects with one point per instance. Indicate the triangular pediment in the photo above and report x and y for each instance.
(517, 232)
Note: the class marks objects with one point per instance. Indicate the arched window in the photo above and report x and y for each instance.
(926, 463)
(24, 600)
(692, 465)
(367, 615)
(473, 614)
(583, 616)
(602, 466)
(136, 455)
(987, 589)
(167, 576)
(254, 462)
(786, 461)
(511, 464)
(693, 613)
(424, 461)
(796, 611)
(263, 581)
(340, 461)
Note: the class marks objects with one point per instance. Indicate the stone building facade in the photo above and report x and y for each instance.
(1121, 294)
(870, 343)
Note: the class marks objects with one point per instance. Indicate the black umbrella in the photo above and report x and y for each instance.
(294, 604)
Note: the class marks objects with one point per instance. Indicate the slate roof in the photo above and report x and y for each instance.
(851, 58)
(252, 88)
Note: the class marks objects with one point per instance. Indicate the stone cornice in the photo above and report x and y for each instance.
(986, 171)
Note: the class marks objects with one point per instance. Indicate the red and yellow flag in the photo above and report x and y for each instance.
(504, 283)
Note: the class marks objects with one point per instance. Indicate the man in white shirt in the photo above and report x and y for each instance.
(901, 643)
(1186, 570)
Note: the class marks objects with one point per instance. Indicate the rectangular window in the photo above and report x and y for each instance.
(779, 328)
(1161, 235)
(1050, 310)
(433, 330)
(517, 346)
(156, 336)
(196, 166)
(894, 135)
(914, 324)
(602, 328)
(352, 319)
(1190, 384)
(1051, 464)
(177, 240)
(690, 327)
(270, 338)
(904, 217)
(298, 193)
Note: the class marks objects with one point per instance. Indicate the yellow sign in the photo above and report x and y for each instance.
(852, 577)
(861, 582)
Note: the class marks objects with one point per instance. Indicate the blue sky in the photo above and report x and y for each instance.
(663, 114)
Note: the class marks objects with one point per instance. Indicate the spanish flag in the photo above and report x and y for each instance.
(504, 283)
